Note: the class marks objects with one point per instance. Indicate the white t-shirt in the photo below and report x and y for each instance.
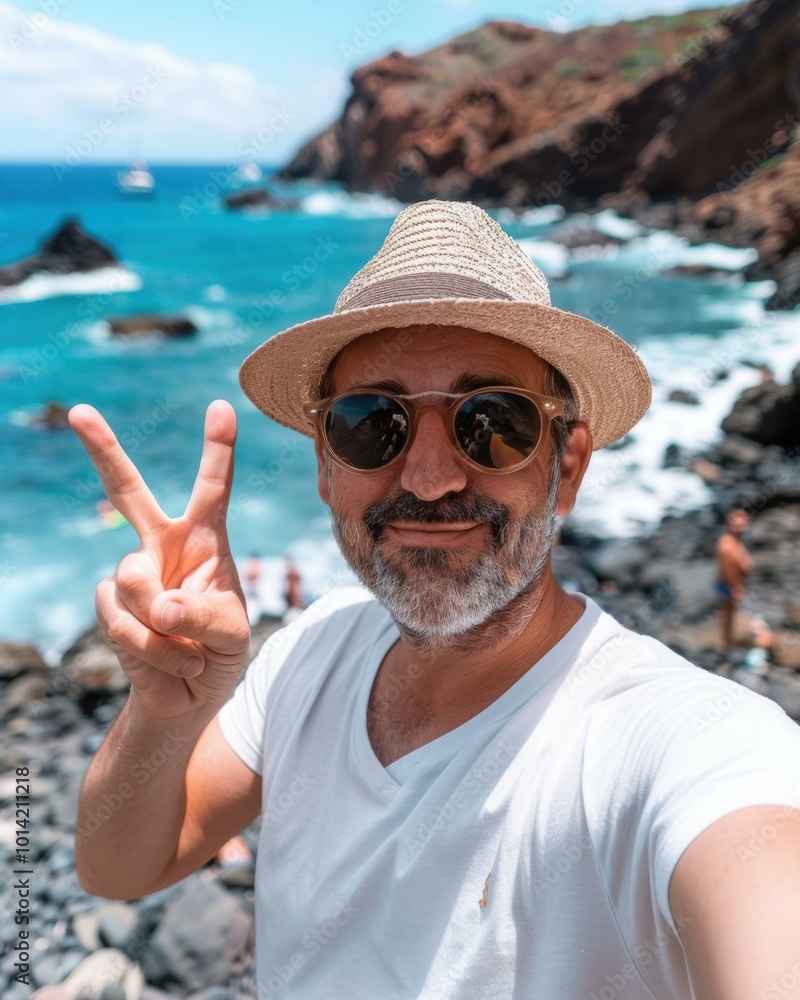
(576, 791)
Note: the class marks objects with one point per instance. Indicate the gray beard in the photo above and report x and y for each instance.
(436, 603)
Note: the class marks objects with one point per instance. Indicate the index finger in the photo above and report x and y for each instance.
(122, 481)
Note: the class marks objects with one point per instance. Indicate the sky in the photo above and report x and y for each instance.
(214, 81)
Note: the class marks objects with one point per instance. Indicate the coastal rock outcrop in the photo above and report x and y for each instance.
(67, 251)
(145, 324)
(768, 414)
(517, 115)
(677, 108)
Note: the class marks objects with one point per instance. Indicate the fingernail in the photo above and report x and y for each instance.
(171, 616)
(191, 667)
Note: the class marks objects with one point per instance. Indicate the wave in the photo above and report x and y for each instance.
(627, 490)
(353, 206)
(104, 281)
(551, 258)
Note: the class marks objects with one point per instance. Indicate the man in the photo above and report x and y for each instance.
(477, 785)
(733, 565)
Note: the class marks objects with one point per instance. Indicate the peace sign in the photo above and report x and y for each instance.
(174, 611)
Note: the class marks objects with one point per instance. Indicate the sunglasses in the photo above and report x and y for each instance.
(497, 429)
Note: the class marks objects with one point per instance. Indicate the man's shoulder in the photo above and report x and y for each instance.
(635, 672)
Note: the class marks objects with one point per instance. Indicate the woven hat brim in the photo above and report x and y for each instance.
(613, 388)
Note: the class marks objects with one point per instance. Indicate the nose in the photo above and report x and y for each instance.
(431, 467)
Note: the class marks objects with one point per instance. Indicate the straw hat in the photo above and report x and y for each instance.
(450, 264)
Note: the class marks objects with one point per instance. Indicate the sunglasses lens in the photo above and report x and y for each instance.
(366, 430)
(498, 430)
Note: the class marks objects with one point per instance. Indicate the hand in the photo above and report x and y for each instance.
(174, 611)
(737, 594)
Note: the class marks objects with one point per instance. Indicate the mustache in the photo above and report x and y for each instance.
(404, 506)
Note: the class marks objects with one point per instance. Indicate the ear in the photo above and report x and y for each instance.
(322, 470)
(573, 466)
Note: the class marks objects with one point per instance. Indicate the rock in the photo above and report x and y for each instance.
(577, 233)
(683, 396)
(96, 972)
(53, 417)
(511, 114)
(768, 413)
(785, 690)
(618, 561)
(147, 324)
(67, 251)
(706, 470)
(672, 457)
(18, 658)
(761, 210)
(259, 198)
(786, 653)
(204, 938)
(737, 450)
(91, 670)
(23, 692)
(117, 925)
(112, 925)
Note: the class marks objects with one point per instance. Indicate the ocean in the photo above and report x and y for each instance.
(242, 277)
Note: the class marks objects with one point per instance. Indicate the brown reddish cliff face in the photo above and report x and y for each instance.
(662, 108)
(516, 115)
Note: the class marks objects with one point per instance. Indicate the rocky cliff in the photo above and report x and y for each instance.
(702, 106)
(517, 115)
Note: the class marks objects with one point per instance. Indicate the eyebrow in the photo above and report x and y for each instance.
(465, 382)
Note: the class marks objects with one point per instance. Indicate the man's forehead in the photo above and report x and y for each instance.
(467, 358)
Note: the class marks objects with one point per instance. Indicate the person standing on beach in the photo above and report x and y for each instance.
(733, 565)
(472, 783)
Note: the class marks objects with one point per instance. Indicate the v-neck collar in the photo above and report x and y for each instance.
(388, 780)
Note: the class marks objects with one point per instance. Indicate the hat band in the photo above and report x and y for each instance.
(423, 285)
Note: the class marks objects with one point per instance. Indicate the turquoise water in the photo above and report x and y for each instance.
(227, 271)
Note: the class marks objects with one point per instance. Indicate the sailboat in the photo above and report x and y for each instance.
(137, 180)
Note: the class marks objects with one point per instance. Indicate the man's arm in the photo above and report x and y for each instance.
(165, 790)
(735, 895)
(159, 799)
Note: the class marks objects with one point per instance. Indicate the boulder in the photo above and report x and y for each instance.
(67, 251)
(90, 671)
(257, 197)
(768, 413)
(205, 938)
(618, 561)
(18, 658)
(683, 396)
(147, 324)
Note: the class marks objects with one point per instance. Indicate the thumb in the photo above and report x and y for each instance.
(217, 619)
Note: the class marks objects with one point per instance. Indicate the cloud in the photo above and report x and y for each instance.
(61, 81)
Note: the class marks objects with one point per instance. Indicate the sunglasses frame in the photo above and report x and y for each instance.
(548, 407)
